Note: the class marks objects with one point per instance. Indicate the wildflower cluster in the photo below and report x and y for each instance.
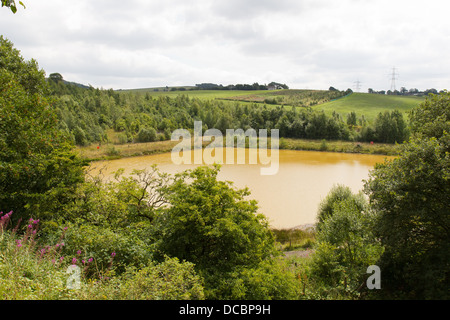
(26, 250)
(81, 262)
(4, 220)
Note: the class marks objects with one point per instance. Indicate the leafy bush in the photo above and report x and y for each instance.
(169, 280)
(338, 193)
(38, 170)
(32, 269)
(346, 244)
(28, 269)
(270, 280)
(105, 246)
(146, 135)
(411, 196)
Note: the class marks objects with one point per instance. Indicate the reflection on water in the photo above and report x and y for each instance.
(288, 198)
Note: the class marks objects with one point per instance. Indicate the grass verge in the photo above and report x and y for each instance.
(116, 151)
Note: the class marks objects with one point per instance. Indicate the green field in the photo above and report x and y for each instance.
(292, 97)
(370, 105)
(200, 94)
(271, 98)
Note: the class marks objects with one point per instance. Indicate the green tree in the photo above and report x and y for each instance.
(146, 135)
(411, 197)
(390, 127)
(345, 245)
(210, 223)
(272, 279)
(351, 119)
(432, 118)
(11, 4)
(57, 77)
(338, 193)
(80, 136)
(169, 280)
(37, 167)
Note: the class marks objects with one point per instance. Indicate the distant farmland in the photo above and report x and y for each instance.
(200, 94)
(370, 105)
(272, 98)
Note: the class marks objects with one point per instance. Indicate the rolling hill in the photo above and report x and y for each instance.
(370, 105)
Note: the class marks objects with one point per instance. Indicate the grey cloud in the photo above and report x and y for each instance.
(138, 41)
(238, 9)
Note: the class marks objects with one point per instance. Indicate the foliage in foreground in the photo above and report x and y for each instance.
(345, 244)
(38, 170)
(124, 244)
(411, 197)
(30, 269)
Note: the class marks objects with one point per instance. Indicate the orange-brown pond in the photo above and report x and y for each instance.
(288, 198)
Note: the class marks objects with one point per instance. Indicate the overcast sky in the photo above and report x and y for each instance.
(310, 44)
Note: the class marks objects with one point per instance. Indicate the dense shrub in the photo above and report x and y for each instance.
(411, 196)
(270, 280)
(38, 171)
(146, 135)
(338, 193)
(90, 241)
(345, 244)
(32, 269)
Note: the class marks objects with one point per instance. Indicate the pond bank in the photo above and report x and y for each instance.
(118, 151)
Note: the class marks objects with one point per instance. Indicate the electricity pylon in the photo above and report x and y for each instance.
(394, 77)
(357, 85)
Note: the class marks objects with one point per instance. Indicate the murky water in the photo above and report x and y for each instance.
(289, 198)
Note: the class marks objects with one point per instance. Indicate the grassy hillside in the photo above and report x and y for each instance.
(370, 105)
(292, 97)
(200, 94)
(272, 98)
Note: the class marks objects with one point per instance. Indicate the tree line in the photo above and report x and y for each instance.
(86, 114)
(405, 92)
(254, 86)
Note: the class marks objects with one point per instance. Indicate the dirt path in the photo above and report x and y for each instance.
(298, 253)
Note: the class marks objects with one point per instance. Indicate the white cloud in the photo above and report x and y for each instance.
(304, 43)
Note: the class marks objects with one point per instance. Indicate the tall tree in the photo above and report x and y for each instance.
(37, 166)
(210, 223)
(411, 195)
(432, 118)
